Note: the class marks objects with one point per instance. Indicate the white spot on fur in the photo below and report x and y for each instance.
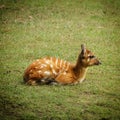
(56, 61)
(43, 65)
(61, 63)
(51, 65)
(42, 80)
(67, 66)
(64, 73)
(88, 60)
(39, 71)
(37, 60)
(89, 55)
(47, 62)
(47, 73)
(53, 83)
(54, 72)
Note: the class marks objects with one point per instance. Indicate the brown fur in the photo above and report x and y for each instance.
(51, 70)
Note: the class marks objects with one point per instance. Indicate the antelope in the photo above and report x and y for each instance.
(51, 70)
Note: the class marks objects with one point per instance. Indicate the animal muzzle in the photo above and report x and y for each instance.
(98, 62)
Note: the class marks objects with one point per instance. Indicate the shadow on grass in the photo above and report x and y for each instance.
(9, 109)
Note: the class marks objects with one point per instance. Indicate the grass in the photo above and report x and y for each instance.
(34, 29)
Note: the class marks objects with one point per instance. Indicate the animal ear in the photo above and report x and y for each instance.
(82, 46)
(83, 49)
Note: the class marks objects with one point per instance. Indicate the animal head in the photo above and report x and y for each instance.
(87, 58)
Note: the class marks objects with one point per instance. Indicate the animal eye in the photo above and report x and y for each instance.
(83, 57)
(91, 57)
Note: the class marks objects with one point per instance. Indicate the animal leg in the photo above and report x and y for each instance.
(65, 78)
(31, 82)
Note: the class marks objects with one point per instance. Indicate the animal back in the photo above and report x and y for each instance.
(48, 67)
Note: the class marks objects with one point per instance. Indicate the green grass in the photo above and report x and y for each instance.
(32, 29)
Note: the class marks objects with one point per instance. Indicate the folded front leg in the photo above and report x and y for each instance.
(65, 78)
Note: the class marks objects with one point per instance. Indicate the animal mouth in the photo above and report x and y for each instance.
(98, 63)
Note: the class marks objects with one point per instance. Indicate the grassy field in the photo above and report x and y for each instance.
(31, 29)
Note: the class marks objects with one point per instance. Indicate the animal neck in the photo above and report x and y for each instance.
(80, 70)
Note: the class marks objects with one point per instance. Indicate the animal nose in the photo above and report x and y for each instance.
(99, 63)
